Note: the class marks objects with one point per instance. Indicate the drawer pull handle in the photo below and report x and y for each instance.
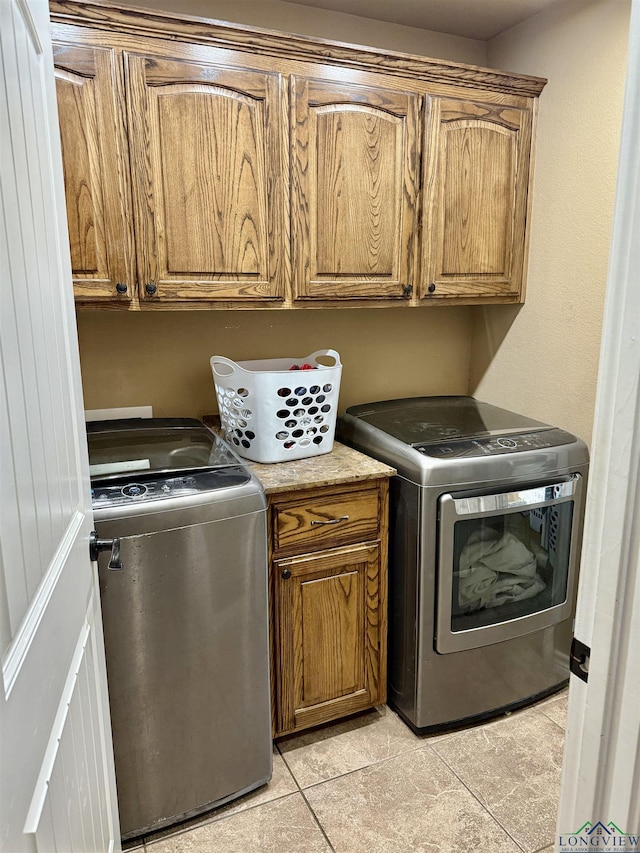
(332, 520)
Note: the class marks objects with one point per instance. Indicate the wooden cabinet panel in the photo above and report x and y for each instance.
(355, 154)
(245, 178)
(326, 520)
(331, 625)
(207, 146)
(476, 184)
(96, 186)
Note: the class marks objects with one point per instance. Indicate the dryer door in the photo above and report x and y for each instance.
(506, 562)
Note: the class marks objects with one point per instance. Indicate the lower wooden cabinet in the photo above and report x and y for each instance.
(329, 604)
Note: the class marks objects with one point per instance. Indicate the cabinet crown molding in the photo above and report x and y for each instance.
(133, 21)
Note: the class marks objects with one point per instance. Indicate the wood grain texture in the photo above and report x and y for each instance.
(355, 155)
(330, 608)
(293, 162)
(325, 520)
(329, 629)
(287, 46)
(85, 208)
(206, 152)
(95, 158)
(476, 185)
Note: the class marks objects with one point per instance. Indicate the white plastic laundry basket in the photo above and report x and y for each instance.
(273, 413)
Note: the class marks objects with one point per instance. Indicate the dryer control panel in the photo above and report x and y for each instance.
(493, 445)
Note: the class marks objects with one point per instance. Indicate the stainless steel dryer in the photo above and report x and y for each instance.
(486, 524)
(185, 619)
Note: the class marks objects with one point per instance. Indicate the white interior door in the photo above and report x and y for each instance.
(601, 773)
(57, 786)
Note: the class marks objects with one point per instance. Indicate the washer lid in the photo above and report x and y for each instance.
(153, 446)
(431, 420)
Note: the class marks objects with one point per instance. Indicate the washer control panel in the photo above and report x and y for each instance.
(491, 446)
(110, 493)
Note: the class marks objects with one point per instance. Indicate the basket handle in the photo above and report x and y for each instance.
(219, 361)
(330, 352)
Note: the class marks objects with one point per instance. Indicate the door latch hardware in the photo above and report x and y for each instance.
(579, 660)
(97, 545)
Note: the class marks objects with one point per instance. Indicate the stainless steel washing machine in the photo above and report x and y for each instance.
(184, 604)
(486, 523)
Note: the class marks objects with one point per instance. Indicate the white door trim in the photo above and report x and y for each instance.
(601, 773)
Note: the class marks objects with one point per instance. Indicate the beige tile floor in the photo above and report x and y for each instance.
(370, 785)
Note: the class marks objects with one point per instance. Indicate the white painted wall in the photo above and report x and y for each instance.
(542, 358)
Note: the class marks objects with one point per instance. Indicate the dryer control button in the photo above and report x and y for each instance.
(507, 442)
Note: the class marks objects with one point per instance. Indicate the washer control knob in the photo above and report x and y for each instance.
(507, 442)
(134, 490)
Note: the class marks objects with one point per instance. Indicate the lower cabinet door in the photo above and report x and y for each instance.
(332, 620)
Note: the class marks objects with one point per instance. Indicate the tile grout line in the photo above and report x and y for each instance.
(308, 804)
(562, 728)
(420, 745)
(355, 769)
(428, 742)
(180, 832)
(479, 801)
(230, 813)
(317, 820)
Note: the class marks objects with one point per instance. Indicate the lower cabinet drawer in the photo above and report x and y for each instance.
(322, 521)
(331, 627)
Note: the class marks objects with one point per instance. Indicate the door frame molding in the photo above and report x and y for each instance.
(601, 772)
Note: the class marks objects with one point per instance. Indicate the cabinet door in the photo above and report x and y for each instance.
(476, 184)
(206, 156)
(331, 623)
(355, 154)
(94, 155)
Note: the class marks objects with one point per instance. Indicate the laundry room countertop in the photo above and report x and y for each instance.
(342, 465)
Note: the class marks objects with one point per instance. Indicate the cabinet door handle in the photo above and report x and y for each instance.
(286, 574)
(332, 520)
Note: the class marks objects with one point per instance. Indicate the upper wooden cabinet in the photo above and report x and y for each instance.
(355, 156)
(211, 165)
(96, 178)
(207, 143)
(476, 183)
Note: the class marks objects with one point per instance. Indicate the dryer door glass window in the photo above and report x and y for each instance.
(506, 563)
(510, 565)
